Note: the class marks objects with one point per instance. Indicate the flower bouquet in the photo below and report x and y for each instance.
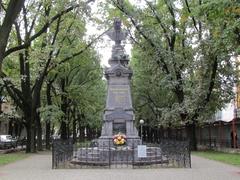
(119, 139)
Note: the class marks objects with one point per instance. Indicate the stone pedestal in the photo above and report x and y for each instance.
(118, 115)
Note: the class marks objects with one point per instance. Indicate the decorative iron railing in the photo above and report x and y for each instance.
(167, 153)
(62, 151)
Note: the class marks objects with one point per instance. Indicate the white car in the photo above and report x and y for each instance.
(7, 141)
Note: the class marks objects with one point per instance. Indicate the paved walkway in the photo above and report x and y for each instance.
(38, 167)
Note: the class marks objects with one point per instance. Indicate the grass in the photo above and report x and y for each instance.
(11, 157)
(228, 158)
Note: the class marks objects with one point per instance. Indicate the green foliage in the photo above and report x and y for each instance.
(51, 46)
(183, 69)
(84, 90)
(51, 113)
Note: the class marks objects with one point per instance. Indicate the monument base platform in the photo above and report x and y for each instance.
(132, 141)
(106, 156)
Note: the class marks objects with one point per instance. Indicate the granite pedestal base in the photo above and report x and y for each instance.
(105, 141)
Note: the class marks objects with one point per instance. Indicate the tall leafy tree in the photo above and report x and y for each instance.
(41, 44)
(182, 53)
(80, 95)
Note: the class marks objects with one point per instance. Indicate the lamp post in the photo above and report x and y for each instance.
(141, 124)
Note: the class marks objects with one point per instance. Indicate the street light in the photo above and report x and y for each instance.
(141, 124)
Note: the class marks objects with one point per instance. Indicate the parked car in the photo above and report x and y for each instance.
(7, 141)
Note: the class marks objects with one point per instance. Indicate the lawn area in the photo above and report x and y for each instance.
(229, 158)
(12, 157)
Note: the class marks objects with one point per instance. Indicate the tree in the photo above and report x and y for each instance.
(81, 92)
(42, 42)
(188, 68)
(79, 96)
(11, 14)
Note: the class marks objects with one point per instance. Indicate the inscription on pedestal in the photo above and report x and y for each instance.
(119, 128)
(119, 96)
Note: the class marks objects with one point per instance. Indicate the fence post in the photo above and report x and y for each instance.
(189, 154)
(53, 154)
(109, 154)
(133, 155)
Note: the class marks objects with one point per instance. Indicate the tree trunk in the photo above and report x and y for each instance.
(48, 123)
(20, 130)
(31, 133)
(63, 126)
(13, 9)
(191, 134)
(48, 131)
(52, 130)
(38, 121)
(33, 137)
(28, 145)
(81, 134)
(63, 130)
(74, 130)
(39, 132)
(169, 132)
(68, 124)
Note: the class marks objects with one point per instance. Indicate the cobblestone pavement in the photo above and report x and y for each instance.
(38, 167)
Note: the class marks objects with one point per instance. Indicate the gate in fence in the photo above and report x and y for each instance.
(167, 153)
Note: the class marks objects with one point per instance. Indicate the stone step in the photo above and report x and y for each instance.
(153, 153)
(154, 156)
(137, 162)
(88, 155)
(157, 161)
(148, 158)
(88, 158)
(90, 163)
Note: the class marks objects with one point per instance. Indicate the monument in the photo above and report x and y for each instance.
(118, 117)
(118, 114)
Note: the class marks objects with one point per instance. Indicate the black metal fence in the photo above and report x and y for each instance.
(167, 153)
(62, 152)
(177, 152)
(217, 143)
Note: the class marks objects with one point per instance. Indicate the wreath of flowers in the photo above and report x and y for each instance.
(119, 139)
